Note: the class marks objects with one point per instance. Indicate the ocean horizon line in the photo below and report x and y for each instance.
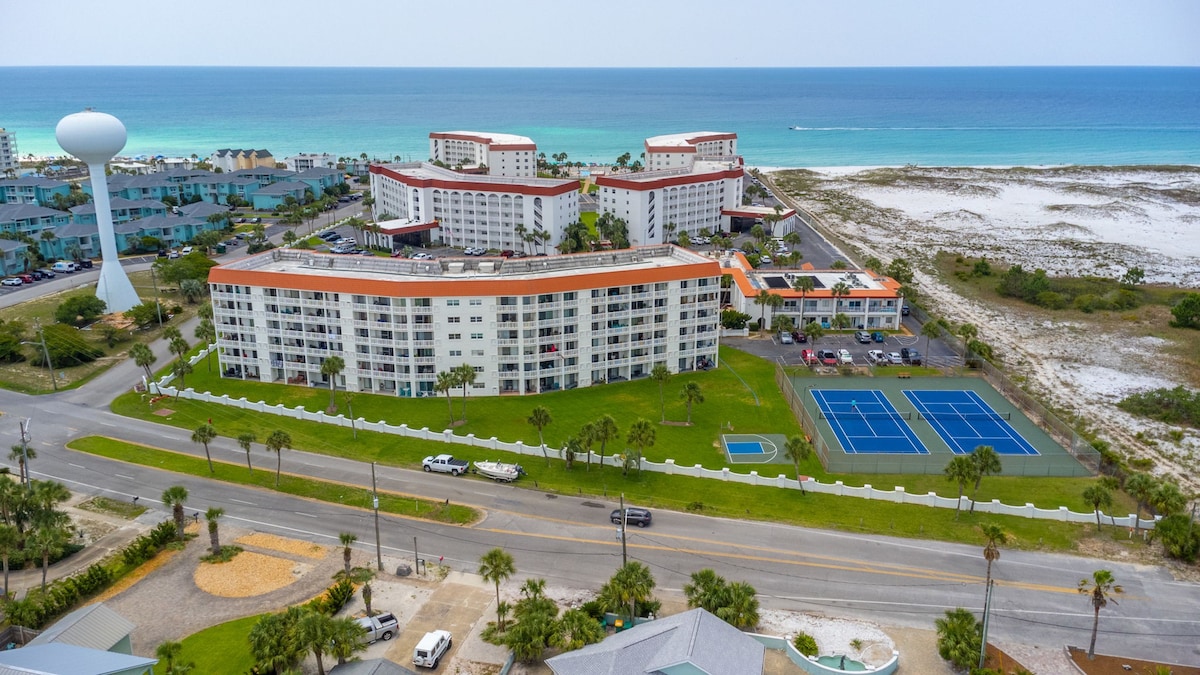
(599, 68)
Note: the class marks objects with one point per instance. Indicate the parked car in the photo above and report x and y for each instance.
(799, 337)
(904, 310)
(185, 250)
(444, 463)
(12, 281)
(876, 356)
(878, 336)
(910, 356)
(863, 337)
(63, 266)
(379, 627)
(26, 278)
(764, 259)
(47, 273)
(894, 358)
(431, 648)
(173, 254)
(85, 264)
(422, 256)
(808, 356)
(827, 357)
(633, 516)
(844, 357)
(785, 338)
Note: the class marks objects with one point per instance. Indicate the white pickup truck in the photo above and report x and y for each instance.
(379, 627)
(445, 464)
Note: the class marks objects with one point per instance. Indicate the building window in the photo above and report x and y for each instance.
(476, 336)
(476, 352)
(477, 319)
(455, 352)
(453, 319)
(475, 302)
(455, 336)
(452, 303)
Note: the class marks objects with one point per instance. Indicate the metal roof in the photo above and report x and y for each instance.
(65, 659)
(95, 627)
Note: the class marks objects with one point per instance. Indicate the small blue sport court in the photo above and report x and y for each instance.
(965, 421)
(865, 422)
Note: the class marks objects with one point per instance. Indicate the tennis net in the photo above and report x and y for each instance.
(855, 415)
(951, 416)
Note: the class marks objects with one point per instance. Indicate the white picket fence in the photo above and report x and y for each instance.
(896, 495)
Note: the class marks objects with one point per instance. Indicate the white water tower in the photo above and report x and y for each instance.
(95, 138)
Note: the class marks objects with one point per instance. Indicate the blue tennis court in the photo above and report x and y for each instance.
(865, 422)
(965, 421)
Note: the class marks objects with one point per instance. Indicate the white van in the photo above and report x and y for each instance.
(431, 648)
(64, 266)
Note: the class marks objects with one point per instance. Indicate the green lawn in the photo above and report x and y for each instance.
(220, 649)
(264, 477)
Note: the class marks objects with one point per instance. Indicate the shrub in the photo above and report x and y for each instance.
(1051, 300)
(66, 347)
(805, 644)
(1179, 538)
(79, 310)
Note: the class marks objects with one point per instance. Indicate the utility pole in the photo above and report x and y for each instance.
(25, 453)
(987, 606)
(375, 504)
(157, 304)
(624, 526)
(416, 558)
(46, 352)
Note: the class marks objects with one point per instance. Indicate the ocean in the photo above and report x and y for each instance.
(804, 117)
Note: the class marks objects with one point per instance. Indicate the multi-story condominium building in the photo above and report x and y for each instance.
(869, 300)
(10, 160)
(680, 151)
(29, 219)
(123, 210)
(524, 325)
(32, 190)
(472, 210)
(307, 160)
(502, 154)
(657, 205)
(229, 160)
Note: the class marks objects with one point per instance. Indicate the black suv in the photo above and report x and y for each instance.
(633, 515)
(910, 356)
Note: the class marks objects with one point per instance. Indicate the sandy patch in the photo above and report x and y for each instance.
(271, 542)
(833, 635)
(247, 575)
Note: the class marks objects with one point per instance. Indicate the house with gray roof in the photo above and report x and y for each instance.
(139, 187)
(371, 667)
(29, 219)
(123, 210)
(270, 197)
(66, 659)
(692, 643)
(12, 256)
(94, 626)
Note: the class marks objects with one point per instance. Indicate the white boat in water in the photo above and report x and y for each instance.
(500, 471)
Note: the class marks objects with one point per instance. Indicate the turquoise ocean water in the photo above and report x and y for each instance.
(783, 117)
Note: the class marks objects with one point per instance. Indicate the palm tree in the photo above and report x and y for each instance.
(1100, 589)
(660, 374)
(929, 330)
(815, 332)
(605, 430)
(205, 434)
(641, 436)
(206, 332)
(632, 584)
(175, 497)
(9, 539)
(445, 382)
(987, 462)
(315, 630)
(704, 590)
(276, 442)
(839, 290)
(245, 440)
(191, 289)
(798, 450)
(570, 450)
(180, 370)
(576, 629)
(690, 394)
(169, 651)
(331, 367)
(960, 637)
(803, 284)
(143, 356)
(495, 566)
(466, 377)
(995, 535)
(1167, 499)
(1100, 497)
(766, 299)
(212, 515)
(346, 637)
(960, 470)
(587, 436)
(347, 539)
(20, 453)
(47, 540)
(1141, 487)
(540, 419)
(739, 606)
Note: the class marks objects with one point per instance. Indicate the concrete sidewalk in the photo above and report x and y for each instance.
(457, 604)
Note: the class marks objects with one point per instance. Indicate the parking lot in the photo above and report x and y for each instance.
(769, 346)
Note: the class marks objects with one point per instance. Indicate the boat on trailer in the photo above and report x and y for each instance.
(505, 473)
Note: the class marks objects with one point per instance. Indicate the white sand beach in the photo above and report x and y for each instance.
(1068, 221)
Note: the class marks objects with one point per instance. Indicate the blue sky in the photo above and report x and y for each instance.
(607, 33)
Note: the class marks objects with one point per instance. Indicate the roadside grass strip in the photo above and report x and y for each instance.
(325, 491)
